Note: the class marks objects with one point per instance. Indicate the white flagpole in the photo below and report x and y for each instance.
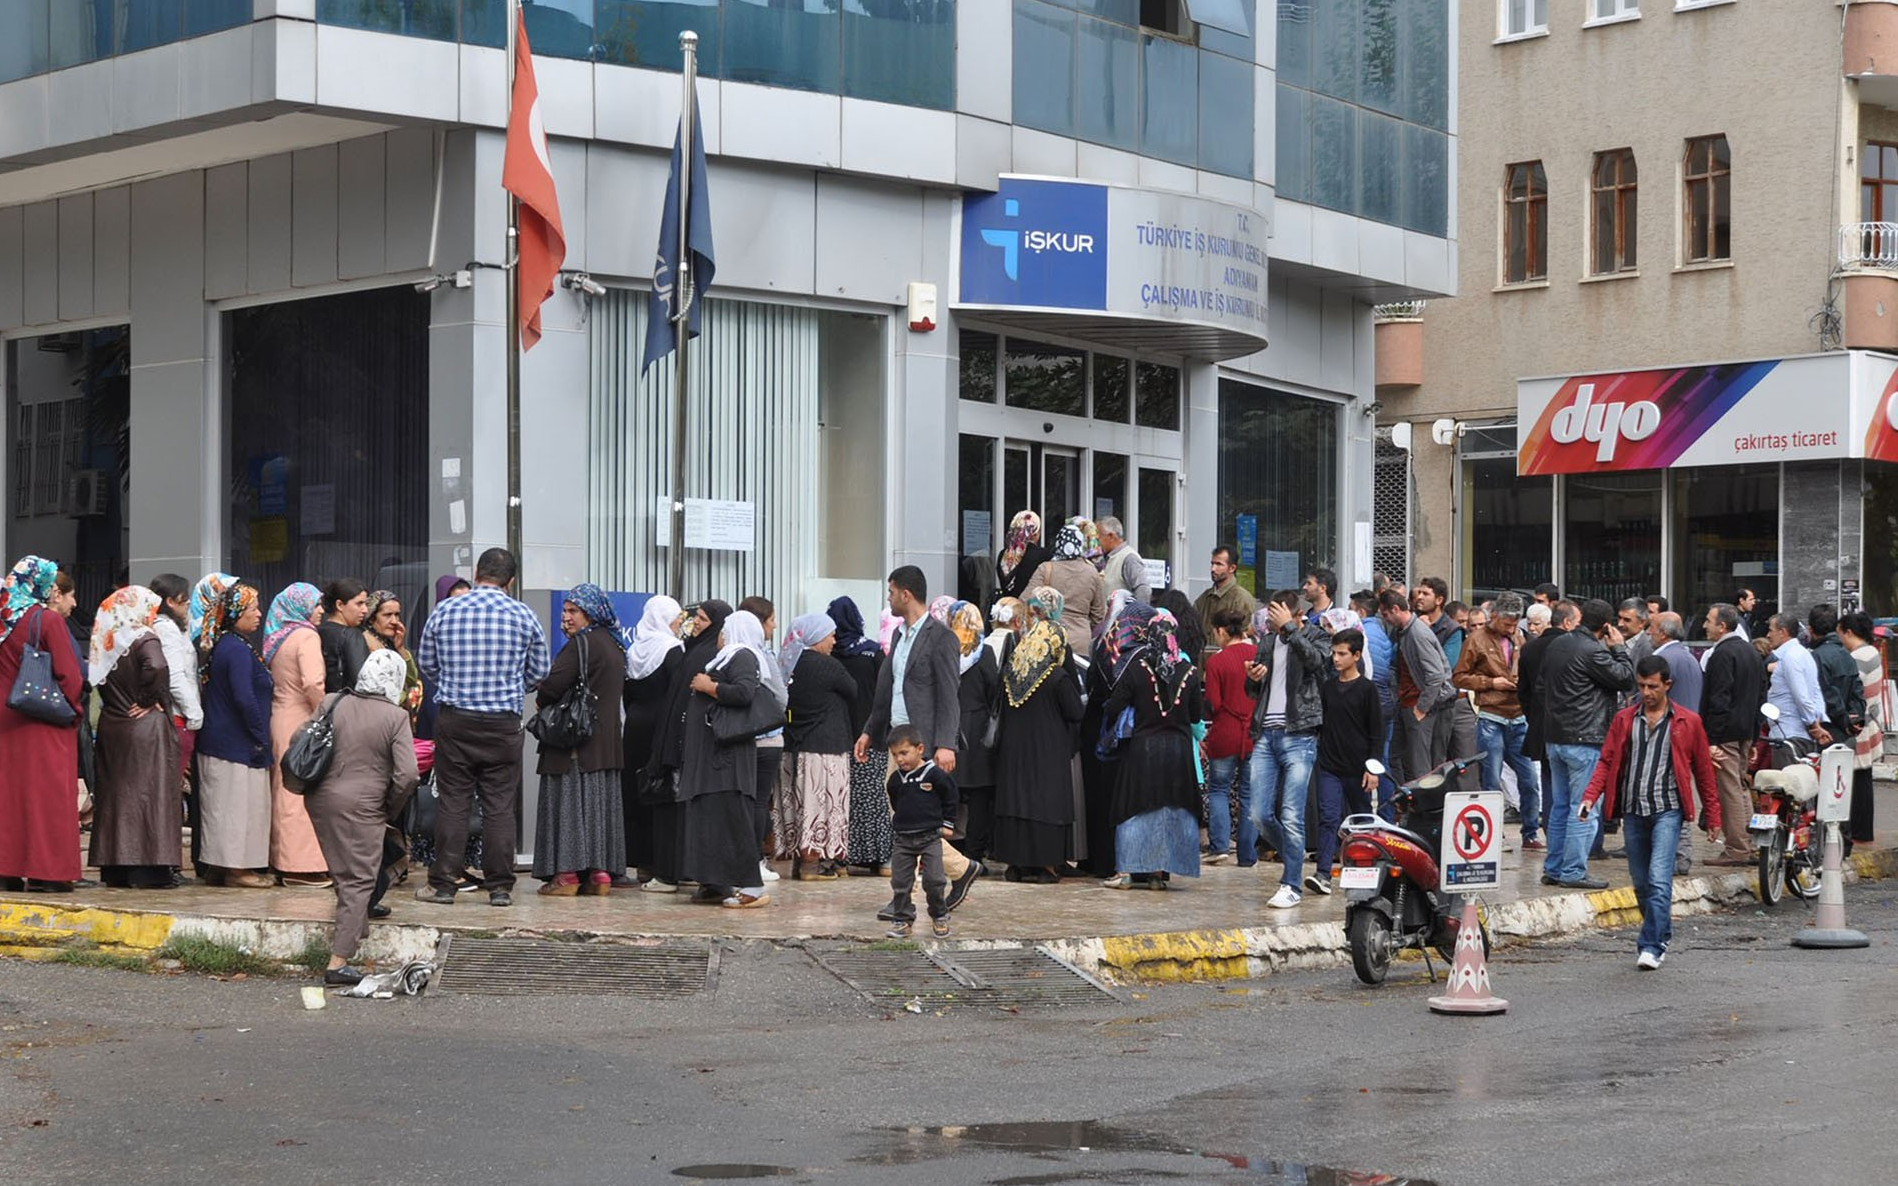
(682, 305)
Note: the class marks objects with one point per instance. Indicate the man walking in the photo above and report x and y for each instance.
(1122, 567)
(1731, 693)
(1293, 659)
(1490, 667)
(1226, 593)
(1654, 762)
(1426, 699)
(1794, 689)
(483, 650)
(1583, 673)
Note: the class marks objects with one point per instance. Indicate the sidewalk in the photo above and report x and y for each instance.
(1211, 928)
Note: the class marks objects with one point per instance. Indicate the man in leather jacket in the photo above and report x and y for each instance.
(1583, 674)
(1293, 660)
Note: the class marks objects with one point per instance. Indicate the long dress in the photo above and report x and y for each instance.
(668, 757)
(1034, 774)
(645, 703)
(297, 674)
(868, 845)
(39, 803)
(716, 786)
(138, 823)
(580, 827)
(1155, 808)
(977, 696)
(1097, 776)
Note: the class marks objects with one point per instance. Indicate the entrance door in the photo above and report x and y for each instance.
(1060, 486)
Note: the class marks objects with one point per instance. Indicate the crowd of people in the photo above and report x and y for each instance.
(1082, 726)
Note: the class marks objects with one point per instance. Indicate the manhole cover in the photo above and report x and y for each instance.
(513, 967)
(986, 977)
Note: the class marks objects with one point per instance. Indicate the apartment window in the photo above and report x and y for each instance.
(1878, 183)
(1526, 223)
(1707, 178)
(1523, 17)
(1614, 211)
(1608, 10)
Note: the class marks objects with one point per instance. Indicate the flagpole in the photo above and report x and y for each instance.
(682, 305)
(513, 274)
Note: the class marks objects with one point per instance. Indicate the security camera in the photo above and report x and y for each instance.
(430, 284)
(581, 282)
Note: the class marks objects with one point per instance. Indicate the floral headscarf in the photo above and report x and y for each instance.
(289, 612)
(1024, 529)
(1090, 540)
(805, 632)
(222, 620)
(1047, 601)
(204, 597)
(966, 620)
(593, 602)
(30, 583)
(1126, 637)
(123, 619)
(384, 673)
(1116, 604)
(940, 608)
(1041, 650)
(1070, 544)
(1161, 656)
(653, 638)
(850, 637)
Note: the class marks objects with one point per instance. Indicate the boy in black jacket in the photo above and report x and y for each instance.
(923, 803)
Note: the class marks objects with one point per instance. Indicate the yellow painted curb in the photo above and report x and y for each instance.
(1177, 956)
(31, 925)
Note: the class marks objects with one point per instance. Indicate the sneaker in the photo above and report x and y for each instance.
(960, 887)
(1285, 899)
(766, 873)
(468, 885)
(1534, 846)
(656, 886)
(1215, 858)
(899, 930)
(380, 911)
(1318, 883)
(428, 893)
(939, 927)
(1647, 961)
(1584, 883)
(1661, 958)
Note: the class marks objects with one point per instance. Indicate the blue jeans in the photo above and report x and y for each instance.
(1221, 776)
(1503, 743)
(1652, 841)
(1280, 772)
(1386, 785)
(1570, 768)
(1337, 795)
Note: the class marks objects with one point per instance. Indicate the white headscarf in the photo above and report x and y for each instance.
(805, 631)
(383, 674)
(744, 632)
(128, 615)
(653, 638)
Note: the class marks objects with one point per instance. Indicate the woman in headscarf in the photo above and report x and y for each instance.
(1120, 644)
(1091, 550)
(770, 742)
(717, 780)
(372, 773)
(445, 588)
(187, 700)
(1034, 781)
(234, 746)
(1189, 630)
(1156, 790)
(39, 812)
(1083, 592)
(979, 696)
(139, 815)
(662, 775)
(294, 653)
(204, 598)
(384, 630)
(1010, 619)
(869, 837)
(580, 839)
(652, 658)
(1022, 554)
(813, 827)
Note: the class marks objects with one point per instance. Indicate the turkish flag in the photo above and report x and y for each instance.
(528, 174)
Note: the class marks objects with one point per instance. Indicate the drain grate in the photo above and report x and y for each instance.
(516, 967)
(984, 977)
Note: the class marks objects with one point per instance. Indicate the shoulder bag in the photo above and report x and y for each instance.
(36, 692)
(567, 723)
(306, 762)
(733, 723)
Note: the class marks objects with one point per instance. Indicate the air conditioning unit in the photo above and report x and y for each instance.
(88, 494)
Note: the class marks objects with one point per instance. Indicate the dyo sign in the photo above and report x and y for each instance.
(1605, 424)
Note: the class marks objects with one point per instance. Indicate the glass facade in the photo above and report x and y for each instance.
(1086, 69)
(1363, 109)
(1611, 529)
(1278, 462)
(41, 35)
(1508, 525)
(1726, 535)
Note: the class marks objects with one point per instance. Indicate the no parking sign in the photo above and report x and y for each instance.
(1471, 859)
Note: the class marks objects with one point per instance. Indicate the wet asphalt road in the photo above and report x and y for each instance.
(1743, 1061)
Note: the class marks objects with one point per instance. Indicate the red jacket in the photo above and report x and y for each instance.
(1230, 735)
(1693, 764)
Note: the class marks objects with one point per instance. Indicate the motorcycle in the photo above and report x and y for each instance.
(1784, 825)
(1390, 878)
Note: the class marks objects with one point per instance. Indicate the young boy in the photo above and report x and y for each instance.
(1353, 731)
(923, 803)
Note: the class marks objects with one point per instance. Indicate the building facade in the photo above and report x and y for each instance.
(1669, 365)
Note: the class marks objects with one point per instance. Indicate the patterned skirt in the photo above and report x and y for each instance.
(579, 824)
(869, 842)
(813, 808)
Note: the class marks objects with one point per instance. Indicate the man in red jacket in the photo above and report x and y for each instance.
(1653, 763)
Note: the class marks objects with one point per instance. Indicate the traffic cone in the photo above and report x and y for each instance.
(1469, 972)
(1828, 927)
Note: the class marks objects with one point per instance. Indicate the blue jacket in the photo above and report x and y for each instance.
(237, 706)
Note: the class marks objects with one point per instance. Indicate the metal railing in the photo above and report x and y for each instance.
(1868, 245)
(1402, 310)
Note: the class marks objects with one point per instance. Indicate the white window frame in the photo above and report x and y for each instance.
(1530, 26)
(1611, 12)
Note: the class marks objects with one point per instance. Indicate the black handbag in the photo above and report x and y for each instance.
(36, 692)
(425, 806)
(567, 723)
(733, 723)
(306, 762)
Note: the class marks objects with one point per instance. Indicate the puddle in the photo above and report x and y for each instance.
(732, 1172)
(907, 1146)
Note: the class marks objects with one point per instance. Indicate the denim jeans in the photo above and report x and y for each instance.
(1570, 767)
(1503, 743)
(1223, 777)
(1280, 772)
(1337, 797)
(1652, 841)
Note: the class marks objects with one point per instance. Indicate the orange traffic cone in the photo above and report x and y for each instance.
(1469, 973)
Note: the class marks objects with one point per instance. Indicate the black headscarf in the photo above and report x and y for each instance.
(850, 637)
(668, 743)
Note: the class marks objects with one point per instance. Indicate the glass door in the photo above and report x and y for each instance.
(1060, 487)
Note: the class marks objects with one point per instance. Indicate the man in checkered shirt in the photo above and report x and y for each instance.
(483, 650)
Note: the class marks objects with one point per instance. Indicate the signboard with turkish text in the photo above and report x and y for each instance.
(1472, 856)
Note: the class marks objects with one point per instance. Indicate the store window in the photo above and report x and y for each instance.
(1042, 377)
(1611, 530)
(1726, 535)
(1881, 539)
(1278, 462)
(1509, 528)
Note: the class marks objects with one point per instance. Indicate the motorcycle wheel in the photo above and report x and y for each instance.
(1773, 872)
(1369, 934)
(1802, 873)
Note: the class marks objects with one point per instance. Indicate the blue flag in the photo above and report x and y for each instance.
(663, 305)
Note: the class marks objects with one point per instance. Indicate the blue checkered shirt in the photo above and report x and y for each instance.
(483, 649)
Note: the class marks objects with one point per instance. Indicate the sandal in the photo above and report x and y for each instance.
(746, 901)
(1118, 881)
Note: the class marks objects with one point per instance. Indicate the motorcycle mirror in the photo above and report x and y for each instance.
(1374, 767)
(1770, 711)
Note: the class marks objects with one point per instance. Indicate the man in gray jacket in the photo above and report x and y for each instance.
(921, 684)
(1426, 699)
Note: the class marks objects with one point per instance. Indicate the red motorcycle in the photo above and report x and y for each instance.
(1390, 879)
(1784, 824)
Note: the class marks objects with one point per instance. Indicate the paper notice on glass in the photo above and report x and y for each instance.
(1281, 570)
(710, 523)
(1159, 575)
(976, 526)
(319, 510)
